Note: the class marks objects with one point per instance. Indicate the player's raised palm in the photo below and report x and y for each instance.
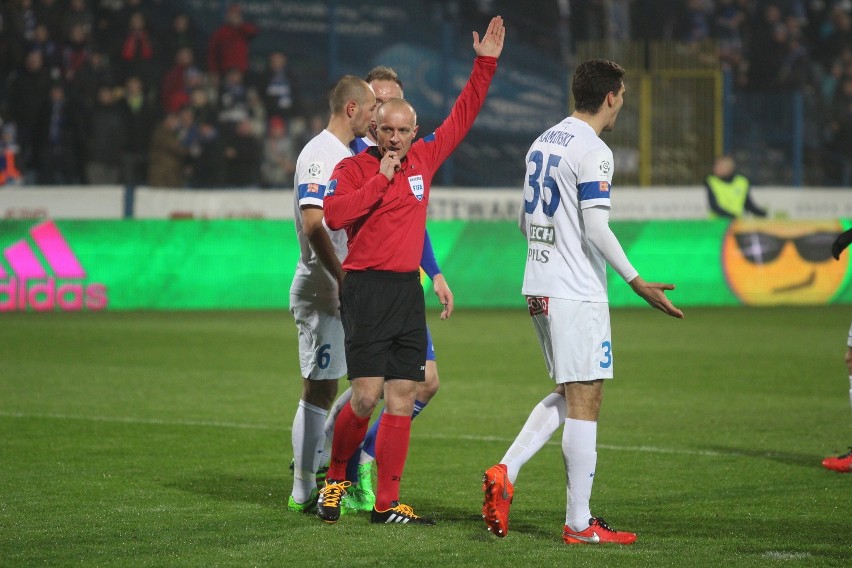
(492, 42)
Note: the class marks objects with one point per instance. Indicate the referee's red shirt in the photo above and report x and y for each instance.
(385, 220)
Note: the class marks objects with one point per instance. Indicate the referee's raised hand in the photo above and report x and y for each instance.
(492, 42)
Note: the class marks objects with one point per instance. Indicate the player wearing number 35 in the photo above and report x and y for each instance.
(565, 218)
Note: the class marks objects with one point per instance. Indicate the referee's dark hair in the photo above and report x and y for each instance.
(593, 80)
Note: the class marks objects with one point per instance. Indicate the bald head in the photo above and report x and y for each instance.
(396, 106)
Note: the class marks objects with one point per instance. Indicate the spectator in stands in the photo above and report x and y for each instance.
(767, 49)
(729, 19)
(279, 156)
(174, 90)
(78, 14)
(139, 119)
(75, 53)
(233, 100)
(167, 162)
(278, 88)
(188, 133)
(27, 96)
(50, 13)
(243, 156)
(51, 51)
(257, 114)
(796, 68)
(22, 21)
(60, 140)
(204, 108)
(838, 38)
(181, 35)
(9, 172)
(105, 140)
(10, 57)
(305, 132)
(228, 47)
(137, 55)
(695, 22)
(208, 161)
(94, 73)
(729, 193)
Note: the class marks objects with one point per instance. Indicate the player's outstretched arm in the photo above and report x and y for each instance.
(492, 42)
(654, 293)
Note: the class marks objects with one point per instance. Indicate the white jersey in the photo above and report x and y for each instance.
(569, 168)
(313, 170)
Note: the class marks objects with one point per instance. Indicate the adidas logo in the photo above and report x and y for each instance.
(26, 285)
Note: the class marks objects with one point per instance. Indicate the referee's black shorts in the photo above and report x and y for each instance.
(384, 321)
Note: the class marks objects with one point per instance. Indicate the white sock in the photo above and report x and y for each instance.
(850, 389)
(308, 438)
(329, 423)
(578, 449)
(547, 416)
(365, 458)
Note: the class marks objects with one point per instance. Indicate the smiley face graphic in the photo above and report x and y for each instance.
(782, 262)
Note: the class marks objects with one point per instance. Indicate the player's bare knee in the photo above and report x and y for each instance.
(428, 388)
(365, 400)
(319, 393)
(848, 359)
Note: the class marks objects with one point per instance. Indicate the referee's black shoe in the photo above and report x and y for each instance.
(399, 514)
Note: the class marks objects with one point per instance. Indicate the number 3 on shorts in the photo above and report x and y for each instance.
(323, 356)
(607, 353)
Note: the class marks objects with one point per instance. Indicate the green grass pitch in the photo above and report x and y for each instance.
(163, 439)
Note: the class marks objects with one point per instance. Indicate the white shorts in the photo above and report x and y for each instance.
(321, 350)
(575, 338)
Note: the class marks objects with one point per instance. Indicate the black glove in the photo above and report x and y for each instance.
(841, 242)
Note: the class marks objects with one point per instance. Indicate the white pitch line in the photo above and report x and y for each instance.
(267, 427)
(149, 421)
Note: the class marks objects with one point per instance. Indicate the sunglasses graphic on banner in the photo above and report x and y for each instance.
(774, 262)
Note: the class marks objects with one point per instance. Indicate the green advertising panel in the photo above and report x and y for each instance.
(51, 265)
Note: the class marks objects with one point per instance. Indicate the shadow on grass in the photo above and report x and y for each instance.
(266, 491)
(471, 520)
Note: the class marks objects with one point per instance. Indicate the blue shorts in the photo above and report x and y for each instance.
(430, 348)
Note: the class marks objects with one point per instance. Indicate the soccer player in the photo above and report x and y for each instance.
(387, 85)
(314, 298)
(565, 218)
(843, 463)
(380, 197)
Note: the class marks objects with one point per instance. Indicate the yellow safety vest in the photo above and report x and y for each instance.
(730, 196)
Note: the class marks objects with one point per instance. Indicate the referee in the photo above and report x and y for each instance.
(380, 198)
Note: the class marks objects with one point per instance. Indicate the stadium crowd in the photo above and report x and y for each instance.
(132, 92)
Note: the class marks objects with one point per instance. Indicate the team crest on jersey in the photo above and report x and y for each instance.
(332, 183)
(417, 186)
(312, 188)
(538, 305)
(604, 186)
